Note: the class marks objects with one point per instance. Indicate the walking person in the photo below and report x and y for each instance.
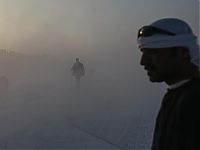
(78, 71)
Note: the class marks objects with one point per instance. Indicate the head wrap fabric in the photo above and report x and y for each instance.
(184, 38)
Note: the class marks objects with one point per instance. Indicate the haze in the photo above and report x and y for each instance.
(116, 105)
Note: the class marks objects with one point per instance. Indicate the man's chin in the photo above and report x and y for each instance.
(154, 79)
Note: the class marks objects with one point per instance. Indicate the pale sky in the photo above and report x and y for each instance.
(84, 27)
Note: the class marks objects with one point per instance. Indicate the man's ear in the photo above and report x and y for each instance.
(184, 52)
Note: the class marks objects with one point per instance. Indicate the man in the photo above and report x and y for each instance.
(170, 54)
(78, 71)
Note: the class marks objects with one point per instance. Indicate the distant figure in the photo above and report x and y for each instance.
(170, 54)
(78, 71)
(3, 87)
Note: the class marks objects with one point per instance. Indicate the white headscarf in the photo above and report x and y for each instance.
(184, 37)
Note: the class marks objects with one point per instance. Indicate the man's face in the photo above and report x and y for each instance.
(159, 64)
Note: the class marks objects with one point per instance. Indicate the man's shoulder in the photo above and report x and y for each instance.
(190, 95)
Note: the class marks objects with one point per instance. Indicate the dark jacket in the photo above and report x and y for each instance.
(78, 69)
(177, 122)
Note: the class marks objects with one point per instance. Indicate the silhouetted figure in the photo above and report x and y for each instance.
(3, 87)
(78, 71)
(170, 54)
